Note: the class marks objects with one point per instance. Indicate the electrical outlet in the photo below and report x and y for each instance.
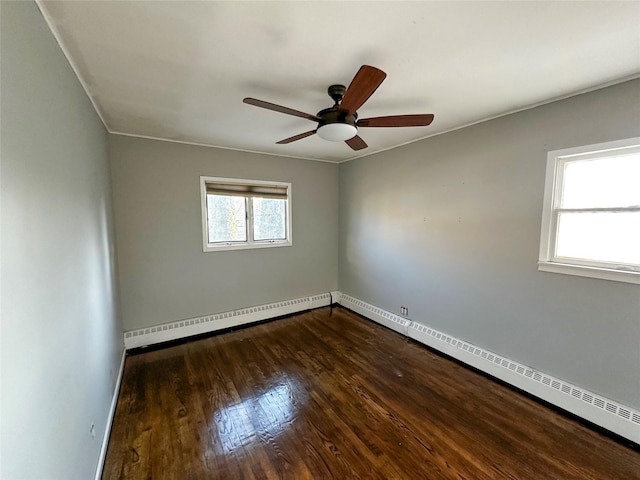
(404, 311)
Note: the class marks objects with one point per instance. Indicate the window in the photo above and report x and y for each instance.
(591, 215)
(244, 213)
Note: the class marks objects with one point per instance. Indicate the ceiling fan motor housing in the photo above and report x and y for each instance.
(335, 115)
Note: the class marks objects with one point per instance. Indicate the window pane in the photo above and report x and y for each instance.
(604, 182)
(227, 218)
(269, 217)
(601, 236)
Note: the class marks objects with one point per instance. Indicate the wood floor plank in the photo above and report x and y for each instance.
(328, 394)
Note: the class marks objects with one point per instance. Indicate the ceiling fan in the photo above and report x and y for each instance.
(340, 122)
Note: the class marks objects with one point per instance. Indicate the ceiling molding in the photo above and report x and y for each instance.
(195, 144)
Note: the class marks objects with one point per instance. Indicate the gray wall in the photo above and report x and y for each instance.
(450, 228)
(165, 275)
(61, 335)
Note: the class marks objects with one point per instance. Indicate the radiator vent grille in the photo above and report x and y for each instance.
(624, 413)
(544, 379)
(612, 408)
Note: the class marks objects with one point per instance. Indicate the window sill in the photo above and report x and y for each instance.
(592, 272)
(250, 246)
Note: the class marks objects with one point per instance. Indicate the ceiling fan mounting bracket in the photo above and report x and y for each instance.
(336, 92)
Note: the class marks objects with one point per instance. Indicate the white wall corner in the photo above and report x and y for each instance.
(335, 296)
(321, 300)
(611, 415)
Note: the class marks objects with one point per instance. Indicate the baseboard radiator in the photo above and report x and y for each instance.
(220, 321)
(611, 415)
(595, 408)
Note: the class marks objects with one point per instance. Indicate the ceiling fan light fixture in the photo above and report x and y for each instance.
(340, 123)
(337, 132)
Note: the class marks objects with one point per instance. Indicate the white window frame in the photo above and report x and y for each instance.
(250, 243)
(547, 261)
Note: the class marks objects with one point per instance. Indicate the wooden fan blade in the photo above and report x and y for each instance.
(356, 143)
(279, 108)
(296, 137)
(397, 121)
(366, 81)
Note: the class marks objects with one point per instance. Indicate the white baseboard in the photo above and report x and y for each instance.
(112, 412)
(595, 408)
(219, 321)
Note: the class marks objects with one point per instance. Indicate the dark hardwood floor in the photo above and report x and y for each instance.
(336, 396)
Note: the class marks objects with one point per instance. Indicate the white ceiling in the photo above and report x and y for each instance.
(179, 70)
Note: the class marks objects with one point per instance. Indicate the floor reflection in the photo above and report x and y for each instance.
(262, 417)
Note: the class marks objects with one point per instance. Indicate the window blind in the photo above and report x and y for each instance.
(247, 190)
